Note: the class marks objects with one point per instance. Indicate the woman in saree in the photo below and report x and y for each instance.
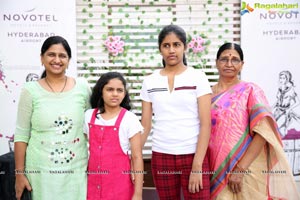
(247, 160)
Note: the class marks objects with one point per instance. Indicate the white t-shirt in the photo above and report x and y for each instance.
(130, 125)
(176, 123)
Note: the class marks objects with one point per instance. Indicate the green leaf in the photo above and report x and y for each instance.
(92, 60)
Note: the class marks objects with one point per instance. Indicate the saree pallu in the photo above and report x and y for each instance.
(238, 114)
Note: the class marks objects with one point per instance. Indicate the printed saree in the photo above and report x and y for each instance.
(237, 114)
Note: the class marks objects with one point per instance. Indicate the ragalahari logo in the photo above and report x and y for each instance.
(245, 8)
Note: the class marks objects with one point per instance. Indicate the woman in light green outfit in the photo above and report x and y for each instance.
(50, 147)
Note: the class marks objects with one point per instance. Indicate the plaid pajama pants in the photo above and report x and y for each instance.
(171, 175)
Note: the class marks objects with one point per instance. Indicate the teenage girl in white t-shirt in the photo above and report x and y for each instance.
(178, 99)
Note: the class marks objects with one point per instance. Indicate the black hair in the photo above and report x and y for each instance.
(96, 97)
(55, 40)
(231, 46)
(178, 31)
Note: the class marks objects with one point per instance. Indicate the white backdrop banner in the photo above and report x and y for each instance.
(270, 38)
(24, 26)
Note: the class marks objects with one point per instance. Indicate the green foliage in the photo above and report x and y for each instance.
(135, 52)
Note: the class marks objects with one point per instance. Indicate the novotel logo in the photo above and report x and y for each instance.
(30, 17)
(279, 15)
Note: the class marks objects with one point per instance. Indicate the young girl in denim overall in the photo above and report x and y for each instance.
(113, 130)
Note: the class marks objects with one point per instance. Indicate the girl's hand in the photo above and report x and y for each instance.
(21, 183)
(195, 181)
(131, 171)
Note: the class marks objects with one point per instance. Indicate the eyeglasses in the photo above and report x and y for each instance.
(233, 61)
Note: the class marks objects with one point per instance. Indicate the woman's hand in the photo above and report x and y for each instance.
(21, 183)
(235, 180)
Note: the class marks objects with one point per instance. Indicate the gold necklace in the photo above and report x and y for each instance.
(66, 78)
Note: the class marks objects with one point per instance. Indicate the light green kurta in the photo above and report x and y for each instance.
(56, 155)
